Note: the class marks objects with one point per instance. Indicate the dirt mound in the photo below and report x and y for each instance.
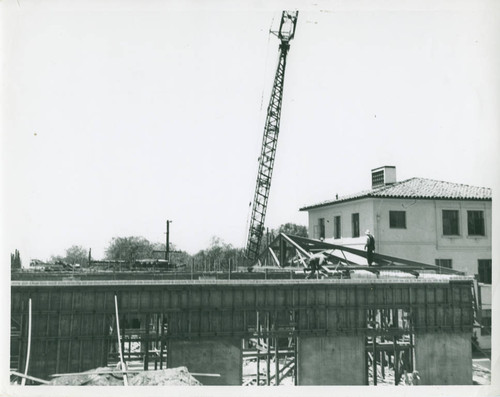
(167, 377)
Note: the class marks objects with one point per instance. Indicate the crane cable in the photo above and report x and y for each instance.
(261, 104)
(266, 64)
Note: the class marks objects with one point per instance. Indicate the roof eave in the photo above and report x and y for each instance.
(392, 197)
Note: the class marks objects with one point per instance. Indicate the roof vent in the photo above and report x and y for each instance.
(382, 176)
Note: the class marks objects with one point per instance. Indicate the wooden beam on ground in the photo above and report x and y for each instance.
(29, 377)
(115, 372)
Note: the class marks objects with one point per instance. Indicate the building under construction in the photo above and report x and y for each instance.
(280, 321)
(348, 324)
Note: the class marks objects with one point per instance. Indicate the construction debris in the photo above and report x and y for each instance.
(104, 377)
(480, 375)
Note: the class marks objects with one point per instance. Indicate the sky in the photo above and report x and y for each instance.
(117, 116)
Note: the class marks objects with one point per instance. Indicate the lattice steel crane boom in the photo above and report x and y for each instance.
(270, 139)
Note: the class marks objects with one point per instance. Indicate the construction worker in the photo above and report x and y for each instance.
(369, 247)
(314, 263)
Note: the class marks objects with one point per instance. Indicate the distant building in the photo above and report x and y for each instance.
(429, 221)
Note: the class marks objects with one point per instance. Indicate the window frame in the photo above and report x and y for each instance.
(337, 227)
(355, 224)
(484, 274)
(391, 219)
(321, 228)
(482, 225)
(443, 262)
(450, 226)
(486, 325)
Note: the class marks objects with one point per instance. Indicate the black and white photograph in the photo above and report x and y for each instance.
(250, 194)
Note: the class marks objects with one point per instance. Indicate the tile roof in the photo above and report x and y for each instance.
(416, 188)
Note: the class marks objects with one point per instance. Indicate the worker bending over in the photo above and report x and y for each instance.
(315, 262)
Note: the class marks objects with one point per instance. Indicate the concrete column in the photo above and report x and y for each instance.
(331, 360)
(215, 355)
(444, 358)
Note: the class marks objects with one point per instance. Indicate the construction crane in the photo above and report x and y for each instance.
(270, 139)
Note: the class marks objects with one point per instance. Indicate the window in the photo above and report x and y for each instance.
(337, 227)
(484, 270)
(444, 263)
(486, 324)
(450, 223)
(397, 219)
(321, 226)
(475, 223)
(355, 225)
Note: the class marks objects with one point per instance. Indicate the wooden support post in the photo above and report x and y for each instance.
(145, 340)
(295, 359)
(157, 333)
(382, 367)
(268, 355)
(277, 362)
(161, 340)
(28, 350)
(396, 361)
(129, 342)
(367, 367)
(258, 349)
(412, 354)
(122, 362)
(374, 360)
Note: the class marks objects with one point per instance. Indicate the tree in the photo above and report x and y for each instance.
(15, 260)
(218, 256)
(293, 229)
(76, 254)
(129, 249)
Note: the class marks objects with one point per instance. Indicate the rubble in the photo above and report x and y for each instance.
(98, 377)
(480, 375)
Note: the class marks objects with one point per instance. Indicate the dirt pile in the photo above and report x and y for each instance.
(97, 377)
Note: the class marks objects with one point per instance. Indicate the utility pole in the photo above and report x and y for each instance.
(167, 244)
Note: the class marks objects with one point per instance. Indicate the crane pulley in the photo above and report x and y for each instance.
(285, 33)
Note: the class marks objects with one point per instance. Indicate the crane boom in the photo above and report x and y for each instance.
(270, 139)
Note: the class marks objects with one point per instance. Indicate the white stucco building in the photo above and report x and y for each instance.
(435, 222)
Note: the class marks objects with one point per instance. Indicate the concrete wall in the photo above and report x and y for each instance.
(444, 358)
(335, 360)
(216, 356)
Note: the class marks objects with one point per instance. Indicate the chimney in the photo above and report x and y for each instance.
(383, 176)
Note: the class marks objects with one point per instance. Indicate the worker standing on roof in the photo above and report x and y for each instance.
(314, 263)
(369, 247)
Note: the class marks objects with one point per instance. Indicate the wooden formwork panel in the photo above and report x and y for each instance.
(71, 325)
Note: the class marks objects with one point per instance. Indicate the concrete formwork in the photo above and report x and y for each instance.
(335, 360)
(73, 321)
(444, 358)
(219, 356)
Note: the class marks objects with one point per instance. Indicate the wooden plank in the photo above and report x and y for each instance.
(28, 350)
(24, 376)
